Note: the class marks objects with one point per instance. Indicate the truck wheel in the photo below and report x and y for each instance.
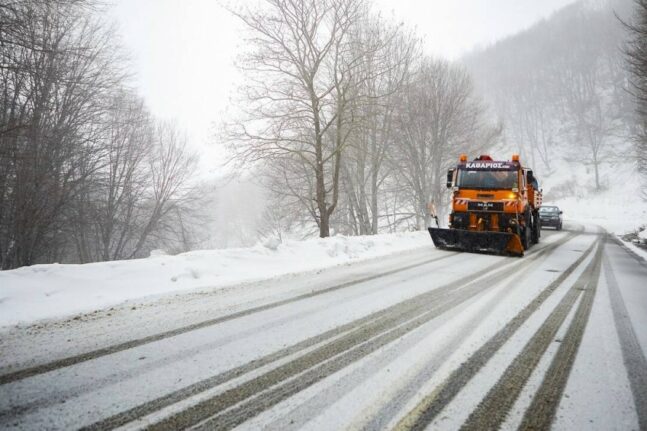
(526, 239)
(535, 229)
(526, 232)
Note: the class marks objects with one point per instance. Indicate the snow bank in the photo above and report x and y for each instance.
(638, 244)
(643, 235)
(619, 212)
(618, 208)
(47, 291)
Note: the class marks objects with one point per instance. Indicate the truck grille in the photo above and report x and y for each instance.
(485, 206)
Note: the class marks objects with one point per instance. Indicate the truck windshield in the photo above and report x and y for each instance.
(487, 179)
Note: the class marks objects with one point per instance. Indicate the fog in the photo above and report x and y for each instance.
(183, 52)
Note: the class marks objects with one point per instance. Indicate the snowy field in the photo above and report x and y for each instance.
(605, 212)
(618, 208)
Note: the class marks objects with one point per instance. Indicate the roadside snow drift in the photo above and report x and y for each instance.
(47, 291)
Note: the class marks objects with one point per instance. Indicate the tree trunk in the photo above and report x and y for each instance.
(374, 202)
(324, 225)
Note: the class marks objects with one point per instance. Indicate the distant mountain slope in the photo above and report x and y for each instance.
(560, 89)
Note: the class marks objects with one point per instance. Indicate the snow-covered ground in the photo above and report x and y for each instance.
(54, 291)
(60, 290)
(604, 210)
(619, 207)
(51, 291)
(359, 346)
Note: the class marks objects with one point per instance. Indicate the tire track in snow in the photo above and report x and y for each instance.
(395, 400)
(367, 337)
(544, 404)
(493, 409)
(266, 394)
(206, 384)
(141, 410)
(318, 364)
(398, 399)
(430, 406)
(94, 354)
(74, 391)
(632, 353)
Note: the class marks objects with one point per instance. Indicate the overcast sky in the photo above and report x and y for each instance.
(183, 50)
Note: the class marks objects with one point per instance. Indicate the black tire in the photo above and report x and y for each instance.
(526, 232)
(536, 228)
(526, 237)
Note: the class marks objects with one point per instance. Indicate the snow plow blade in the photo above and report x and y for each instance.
(477, 241)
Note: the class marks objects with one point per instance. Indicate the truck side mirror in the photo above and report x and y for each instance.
(561, 212)
(450, 178)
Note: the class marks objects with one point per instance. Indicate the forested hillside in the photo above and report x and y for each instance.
(561, 89)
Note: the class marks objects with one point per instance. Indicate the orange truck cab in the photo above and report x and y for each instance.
(495, 207)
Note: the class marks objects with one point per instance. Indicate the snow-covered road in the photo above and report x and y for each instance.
(421, 339)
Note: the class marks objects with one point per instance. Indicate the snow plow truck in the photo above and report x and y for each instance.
(494, 209)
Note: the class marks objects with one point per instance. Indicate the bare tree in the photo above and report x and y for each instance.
(57, 64)
(170, 165)
(383, 75)
(107, 212)
(85, 173)
(528, 106)
(593, 114)
(302, 79)
(439, 118)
